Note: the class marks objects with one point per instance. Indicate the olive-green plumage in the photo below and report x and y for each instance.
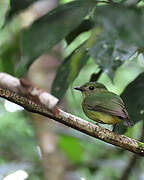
(101, 105)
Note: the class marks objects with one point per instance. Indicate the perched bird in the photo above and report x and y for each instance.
(101, 105)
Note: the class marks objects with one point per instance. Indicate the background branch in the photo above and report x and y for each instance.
(68, 119)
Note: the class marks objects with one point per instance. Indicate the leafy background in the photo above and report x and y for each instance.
(104, 37)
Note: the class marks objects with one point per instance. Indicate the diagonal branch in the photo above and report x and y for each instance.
(36, 106)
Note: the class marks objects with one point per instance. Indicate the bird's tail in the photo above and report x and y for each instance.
(129, 122)
(127, 118)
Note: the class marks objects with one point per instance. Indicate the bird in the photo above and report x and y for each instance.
(103, 106)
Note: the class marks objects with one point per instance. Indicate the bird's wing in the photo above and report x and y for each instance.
(108, 103)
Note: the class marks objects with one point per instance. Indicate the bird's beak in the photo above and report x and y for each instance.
(79, 88)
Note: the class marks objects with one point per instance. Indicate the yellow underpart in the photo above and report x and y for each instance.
(102, 117)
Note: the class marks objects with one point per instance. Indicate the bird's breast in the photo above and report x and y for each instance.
(101, 117)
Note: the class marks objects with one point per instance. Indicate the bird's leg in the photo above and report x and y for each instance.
(114, 128)
(96, 123)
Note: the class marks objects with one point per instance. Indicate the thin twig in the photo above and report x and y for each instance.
(95, 76)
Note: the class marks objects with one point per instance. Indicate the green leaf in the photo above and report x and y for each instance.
(78, 60)
(4, 6)
(72, 147)
(121, 35)
(133, 97)
(109, 53)
(6, 65)
(127, 27)
(50, 29)
(68, 71)
(61, 81)
(9, 56)
(86, 25)
(131, 2)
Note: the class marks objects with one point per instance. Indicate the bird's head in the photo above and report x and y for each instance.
(90, 88)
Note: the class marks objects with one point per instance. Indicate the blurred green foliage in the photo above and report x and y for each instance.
(69, 70)
(56, 25)
(17, 142)
(4, 6)
(97, 35)
(70, 144)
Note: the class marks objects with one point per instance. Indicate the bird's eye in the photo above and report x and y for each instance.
(91, 88)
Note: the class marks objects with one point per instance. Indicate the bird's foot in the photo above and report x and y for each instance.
(114, 128)
(97, 123)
